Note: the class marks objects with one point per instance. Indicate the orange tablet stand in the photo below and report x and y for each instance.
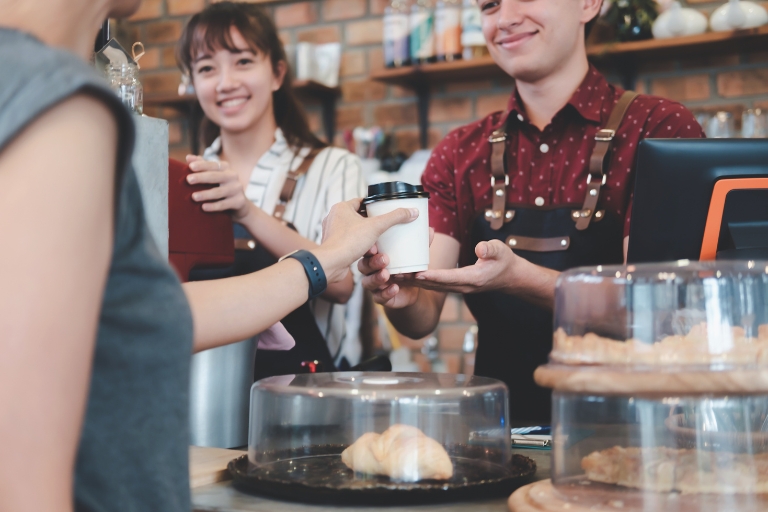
(716, 207)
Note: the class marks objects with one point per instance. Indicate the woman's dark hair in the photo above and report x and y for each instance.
(209, 30)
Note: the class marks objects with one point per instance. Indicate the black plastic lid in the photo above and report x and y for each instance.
(393, 190)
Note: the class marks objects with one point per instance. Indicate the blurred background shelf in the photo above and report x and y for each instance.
(485, 67)
(622, 57)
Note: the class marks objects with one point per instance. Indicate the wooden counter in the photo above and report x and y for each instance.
(222, 497)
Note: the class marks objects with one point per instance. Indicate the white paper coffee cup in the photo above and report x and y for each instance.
(406, 245)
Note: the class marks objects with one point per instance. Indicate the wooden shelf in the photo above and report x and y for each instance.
(675, 47)
(411, 76)
(607, 53)
(169, 99)
(624, 57)
(310, 87)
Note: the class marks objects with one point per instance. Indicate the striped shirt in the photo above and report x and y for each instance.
(334, 176)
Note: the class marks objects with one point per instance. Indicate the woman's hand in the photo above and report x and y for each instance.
(229, 194)
(347, 235)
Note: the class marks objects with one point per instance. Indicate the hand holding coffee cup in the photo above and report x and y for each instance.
(347, 235)
(406, 245)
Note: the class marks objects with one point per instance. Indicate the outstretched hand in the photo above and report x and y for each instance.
(492, 271)
(347, 235)
(377, 279)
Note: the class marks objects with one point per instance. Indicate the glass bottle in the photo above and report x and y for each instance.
(448, 30)
(422, 24)
(472, 39)
(124, 80)
(397, 47)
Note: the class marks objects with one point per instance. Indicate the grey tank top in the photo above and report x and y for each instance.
(133, 453)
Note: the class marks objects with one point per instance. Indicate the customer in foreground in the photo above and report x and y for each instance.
(97, 331)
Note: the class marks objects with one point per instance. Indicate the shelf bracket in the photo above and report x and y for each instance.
(628, 72)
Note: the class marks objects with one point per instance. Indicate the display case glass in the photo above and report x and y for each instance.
(660, 386)
(710, 314)
(682, 453)
(401, 428)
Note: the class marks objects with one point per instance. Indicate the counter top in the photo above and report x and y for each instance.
(223, 497)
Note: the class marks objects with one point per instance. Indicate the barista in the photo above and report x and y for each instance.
(521, 195)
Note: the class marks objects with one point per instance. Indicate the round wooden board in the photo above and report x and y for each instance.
(613, 380)
(546, 499)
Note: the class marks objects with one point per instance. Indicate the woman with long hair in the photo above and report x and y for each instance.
(256, 133)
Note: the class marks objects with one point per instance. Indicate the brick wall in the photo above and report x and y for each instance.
(705, 83)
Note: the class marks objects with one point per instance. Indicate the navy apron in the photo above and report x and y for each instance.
(515, 336)
(310, 354)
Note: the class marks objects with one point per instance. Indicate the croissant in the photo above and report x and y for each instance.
(401, 452)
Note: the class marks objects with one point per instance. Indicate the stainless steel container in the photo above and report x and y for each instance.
(219, 395)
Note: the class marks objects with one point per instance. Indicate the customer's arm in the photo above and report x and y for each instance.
(56, 220)
(413, 311)
(228, 310)
(277, 238)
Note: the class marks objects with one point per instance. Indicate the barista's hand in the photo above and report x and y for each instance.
(493, 270)
(347, 235)
(390, 294)
(228, 195)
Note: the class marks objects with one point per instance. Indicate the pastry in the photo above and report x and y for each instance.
(696, 347)
(401, 452)
(691, 471)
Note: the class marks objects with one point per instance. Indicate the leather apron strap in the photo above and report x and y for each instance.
(499, 178)
(498, 215)
(598, 162)
(289, 187)
(286, 194)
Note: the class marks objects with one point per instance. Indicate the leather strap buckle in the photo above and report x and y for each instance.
(506, 180)
(245, 244)
(497, 136)
(492, 214)
(580, 214)
(605, 135)
(589, 178)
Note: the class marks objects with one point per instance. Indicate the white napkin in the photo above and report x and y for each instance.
(276, 337)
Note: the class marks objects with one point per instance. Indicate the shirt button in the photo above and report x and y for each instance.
(539, 201)
(520, 117)
(544, 148)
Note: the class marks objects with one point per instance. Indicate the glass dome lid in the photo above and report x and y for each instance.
(675, 314)
(356, 435)
(377, 385)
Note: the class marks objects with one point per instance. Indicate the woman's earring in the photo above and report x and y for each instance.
(186, 87)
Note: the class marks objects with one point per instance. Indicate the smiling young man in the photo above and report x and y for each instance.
(521, 195)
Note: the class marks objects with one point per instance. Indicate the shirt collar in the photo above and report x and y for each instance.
(212, 151)
(587, 100)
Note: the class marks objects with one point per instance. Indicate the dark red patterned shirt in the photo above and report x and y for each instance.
(547, 167)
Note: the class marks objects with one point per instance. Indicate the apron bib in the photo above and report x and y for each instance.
(515, 336)
(310, 354)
